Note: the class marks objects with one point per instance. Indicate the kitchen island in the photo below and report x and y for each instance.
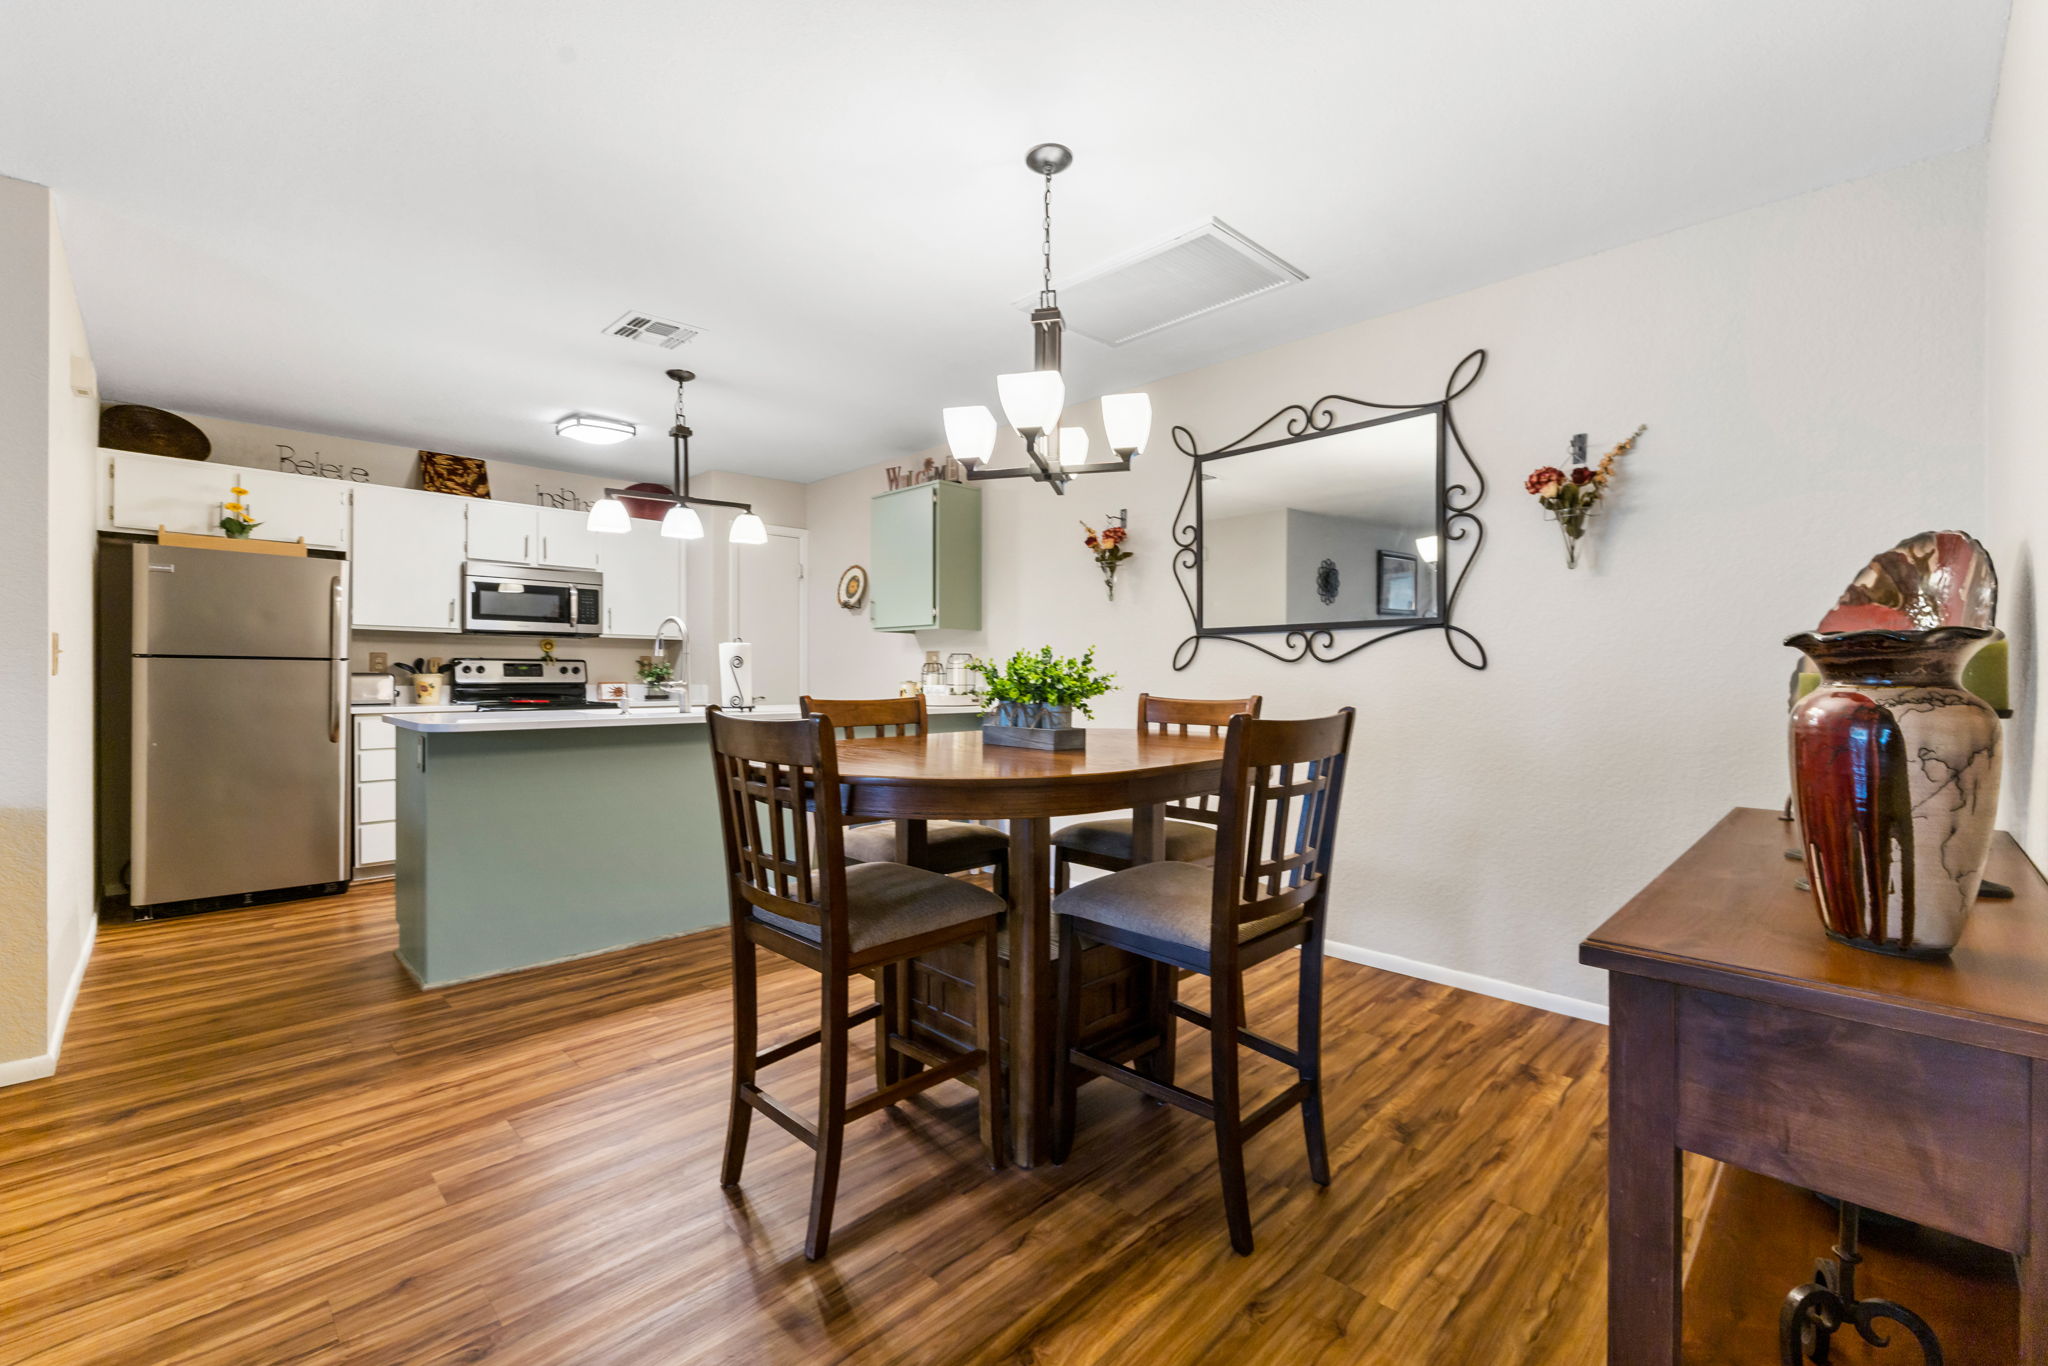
(529, 838)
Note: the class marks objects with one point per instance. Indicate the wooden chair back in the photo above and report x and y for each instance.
(881, 717)
(1282, 784)
(779, 810)
(1186, 716)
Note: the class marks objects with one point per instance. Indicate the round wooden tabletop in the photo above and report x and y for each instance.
(955, 774)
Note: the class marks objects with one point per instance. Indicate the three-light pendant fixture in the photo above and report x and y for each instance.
(681, 520)
(1034, 399)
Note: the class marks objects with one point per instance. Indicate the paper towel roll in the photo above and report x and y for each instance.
(736, 675)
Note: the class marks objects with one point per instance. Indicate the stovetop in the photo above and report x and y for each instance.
(529, 703)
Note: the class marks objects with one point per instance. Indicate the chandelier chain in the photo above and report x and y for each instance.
(1046, 297)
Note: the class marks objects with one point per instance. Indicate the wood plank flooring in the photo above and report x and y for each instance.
(265, 1145)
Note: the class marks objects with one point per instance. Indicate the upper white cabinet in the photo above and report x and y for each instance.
(145, 492)
(408, 552)
(643, 579)
(507, 533)
(566, 540)
(293, 505)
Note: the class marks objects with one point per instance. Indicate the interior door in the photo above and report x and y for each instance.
(768, 611)
(239, 778)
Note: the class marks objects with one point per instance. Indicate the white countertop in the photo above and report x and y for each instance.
(438, 722)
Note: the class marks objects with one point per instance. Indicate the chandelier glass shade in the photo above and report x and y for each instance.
(1033, 399)
(681, 521)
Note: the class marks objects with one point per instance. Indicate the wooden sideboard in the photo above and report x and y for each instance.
(1740, 1032)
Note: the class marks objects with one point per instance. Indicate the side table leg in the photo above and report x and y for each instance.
(2034, 1265)
(1644, 1179)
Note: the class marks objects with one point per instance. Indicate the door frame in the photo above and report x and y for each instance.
(733, 554)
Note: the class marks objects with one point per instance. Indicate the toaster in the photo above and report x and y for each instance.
(372, 689)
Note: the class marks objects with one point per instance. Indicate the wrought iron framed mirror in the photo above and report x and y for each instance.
(1342, 515)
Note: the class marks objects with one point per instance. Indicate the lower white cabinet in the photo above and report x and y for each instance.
(643, 579)
(376, 825)
(408, 553)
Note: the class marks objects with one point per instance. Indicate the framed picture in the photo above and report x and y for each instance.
(1397, 583)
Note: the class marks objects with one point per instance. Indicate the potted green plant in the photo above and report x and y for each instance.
(656, 673)
(1029, 700)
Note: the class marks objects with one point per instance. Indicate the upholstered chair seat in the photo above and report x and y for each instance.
(1186, 842)
(886, 902)
(1165, 903)
(950, 846)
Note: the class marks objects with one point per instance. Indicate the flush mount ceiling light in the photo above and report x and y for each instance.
(598, 431)
(681, 520)
(1033, 399)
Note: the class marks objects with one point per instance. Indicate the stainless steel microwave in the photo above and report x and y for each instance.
(518, 599)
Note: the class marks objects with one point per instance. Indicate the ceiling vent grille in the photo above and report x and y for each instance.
(1189, 274)
(645, 327)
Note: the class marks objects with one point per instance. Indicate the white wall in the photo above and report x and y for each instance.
(1812, 375)
(2017, 359)
(47, 429)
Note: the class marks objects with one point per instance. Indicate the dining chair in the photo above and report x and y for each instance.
(1190, 823)
(942, 846)
(792, 892)
(1268, 892)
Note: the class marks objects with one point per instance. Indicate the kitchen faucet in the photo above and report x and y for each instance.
(678, 686)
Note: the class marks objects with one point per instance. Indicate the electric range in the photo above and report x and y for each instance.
(523, 685)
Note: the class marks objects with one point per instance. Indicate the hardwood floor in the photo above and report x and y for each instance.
(265, 1145)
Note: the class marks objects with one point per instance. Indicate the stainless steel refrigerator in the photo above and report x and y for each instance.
(223, 723)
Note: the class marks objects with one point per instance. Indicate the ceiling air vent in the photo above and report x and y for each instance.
(645, 327)
(1183, 277)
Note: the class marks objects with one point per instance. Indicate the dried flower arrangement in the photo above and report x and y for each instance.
(1572, 498)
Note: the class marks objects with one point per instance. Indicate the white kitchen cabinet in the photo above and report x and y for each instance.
(290, 506)
(145, 492)
(643, 579)
(566, 540)
(408, 553)
(505, 533)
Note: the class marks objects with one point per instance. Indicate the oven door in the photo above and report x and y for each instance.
(519, 606)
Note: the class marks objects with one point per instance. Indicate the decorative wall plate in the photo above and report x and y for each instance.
(853, 587)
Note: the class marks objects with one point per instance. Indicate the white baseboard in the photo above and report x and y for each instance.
(1470, 981)
(43, 1065)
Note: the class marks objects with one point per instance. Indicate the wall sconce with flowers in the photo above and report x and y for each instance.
(1107, 545)
(1573, 497)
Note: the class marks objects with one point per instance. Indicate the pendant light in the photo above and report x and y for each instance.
(681, 521)
(1033, 399)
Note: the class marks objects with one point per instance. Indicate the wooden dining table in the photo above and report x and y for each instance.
(956, 776)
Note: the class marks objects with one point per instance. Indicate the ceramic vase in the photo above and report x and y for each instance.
(1895, 771)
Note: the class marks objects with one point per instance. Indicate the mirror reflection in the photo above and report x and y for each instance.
(1341, 528)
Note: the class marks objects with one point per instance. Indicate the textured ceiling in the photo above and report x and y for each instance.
(408, 221)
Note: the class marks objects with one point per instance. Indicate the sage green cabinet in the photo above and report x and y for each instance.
(924, 558)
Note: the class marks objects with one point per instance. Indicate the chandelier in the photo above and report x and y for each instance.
(1034, 399)
(681, 520)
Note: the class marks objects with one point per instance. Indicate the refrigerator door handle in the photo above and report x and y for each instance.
(337, 678)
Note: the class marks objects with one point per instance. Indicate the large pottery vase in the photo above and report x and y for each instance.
(1895, 773)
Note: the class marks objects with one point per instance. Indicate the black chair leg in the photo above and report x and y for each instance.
(1002, 878)
(1062, 872)
(1237, 1210)
(1309, 1043)
(745, 1047)
(1066, 1078)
